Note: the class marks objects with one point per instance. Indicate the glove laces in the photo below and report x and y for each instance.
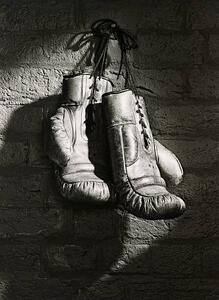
(103, 30)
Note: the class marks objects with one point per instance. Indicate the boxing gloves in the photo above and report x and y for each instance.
(82, 144)
(78, 144)
(138, 160)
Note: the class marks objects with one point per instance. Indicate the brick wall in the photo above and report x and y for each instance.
(51, 250)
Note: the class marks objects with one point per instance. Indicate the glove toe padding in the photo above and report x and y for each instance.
(157, 206)
(95, 191)
(140, 164)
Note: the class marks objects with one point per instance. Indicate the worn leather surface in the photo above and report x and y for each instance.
(81, 154)
(169, 165)
(137, 166)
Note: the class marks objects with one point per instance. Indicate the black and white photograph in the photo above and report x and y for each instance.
(109, 150)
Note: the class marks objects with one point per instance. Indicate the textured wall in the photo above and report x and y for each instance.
(53, 251)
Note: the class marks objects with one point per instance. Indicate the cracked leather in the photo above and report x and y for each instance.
(139, 169)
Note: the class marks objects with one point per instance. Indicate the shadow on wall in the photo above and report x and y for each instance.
(49, 246)
(52, 249)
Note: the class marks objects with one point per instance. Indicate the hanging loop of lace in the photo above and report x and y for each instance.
(103, 30)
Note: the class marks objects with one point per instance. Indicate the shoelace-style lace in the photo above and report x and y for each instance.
(103, 30)
(90, 110)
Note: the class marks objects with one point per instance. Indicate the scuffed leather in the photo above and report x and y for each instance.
(137, 167)
(60, 143)
(168, 164)
(152, 207)
(83, 170)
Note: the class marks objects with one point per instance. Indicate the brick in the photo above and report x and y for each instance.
(109, 254)
(197, 153)
(145, 15)
(23, 288)
(40, 16)
(143, 230)
(71, 258)
(97, 9)
(37, 156)
(175, 260)
(199, 188)
(203, 83)
(51, 50)
(139, 292)
(104, 241)
(210, 260)
(203, 14)
(160, 15)
(194, 288)
(196, 222)
(22, 221)
(92, 223)
(23, 85)
(211, 290)
(20, 258)
(75, 16)
(188, 295)
(106, 287)
(20, 119)
(191, 120)
(213, 48)
(112, 256)
(41, 50)
(13, 153)
(22, 191)
(199, 293)
(169, 50)
(125, 258)
(148, 289)
(53, 197)
(186, 283)
(159, 83)
(3, 287)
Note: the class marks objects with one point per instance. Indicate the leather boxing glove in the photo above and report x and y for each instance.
(168, 164)
(78, 141)
(138, 161)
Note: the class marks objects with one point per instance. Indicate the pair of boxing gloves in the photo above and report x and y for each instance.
(104, 150)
